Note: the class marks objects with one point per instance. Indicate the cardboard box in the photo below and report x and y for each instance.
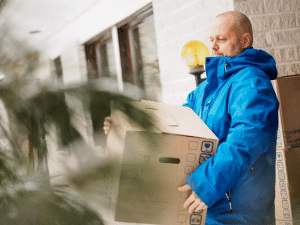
(282, 196)
(287, 199)
(155, 163)
(287, 222)
(288, 93)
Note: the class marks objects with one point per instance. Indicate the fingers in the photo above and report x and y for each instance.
(197, 206)
(106, 130)
(202, 206)
(184, 188)
(189, 201)
(107, 125)
(194, 203)
(108, 119)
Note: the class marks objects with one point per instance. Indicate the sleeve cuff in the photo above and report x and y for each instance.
(204, 192)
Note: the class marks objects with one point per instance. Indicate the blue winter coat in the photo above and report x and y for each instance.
(238, 103)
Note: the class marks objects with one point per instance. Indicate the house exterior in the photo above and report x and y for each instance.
(139, 42)
(118, 38)
(120, 42)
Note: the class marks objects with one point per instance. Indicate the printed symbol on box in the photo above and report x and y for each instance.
(286, 214)
(279, 143)
(207, 146)
(146, 158)
(281, 175)
(278, 133)
(283, 194)
(203, 157)
(184, 195)
(195, 219)
(181, 206)
(193, 145)
(280, 165)
(190, 157)
(282, 185)
(181, 218)
(279, 156)
(285, 204)
(188, 169)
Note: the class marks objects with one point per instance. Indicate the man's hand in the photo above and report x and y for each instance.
(194, 202)
(107, 125)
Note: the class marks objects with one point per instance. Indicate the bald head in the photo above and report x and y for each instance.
(241, 23)
(231, 33)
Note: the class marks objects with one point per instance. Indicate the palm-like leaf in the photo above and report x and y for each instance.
(28, 198)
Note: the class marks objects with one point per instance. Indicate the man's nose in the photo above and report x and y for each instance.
(214, 46)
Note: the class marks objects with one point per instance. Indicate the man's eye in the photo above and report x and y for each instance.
(222, 39)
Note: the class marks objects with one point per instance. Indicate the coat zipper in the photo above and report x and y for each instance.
(228, 195)
(214, 96)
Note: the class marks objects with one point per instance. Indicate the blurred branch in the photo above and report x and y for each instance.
(2, 4)
(32, 108)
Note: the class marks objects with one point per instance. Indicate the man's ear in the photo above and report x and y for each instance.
(246, 40)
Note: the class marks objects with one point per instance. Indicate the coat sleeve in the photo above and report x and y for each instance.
(190, 100)
(253, 110)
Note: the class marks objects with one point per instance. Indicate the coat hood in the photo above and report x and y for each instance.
(226, 66)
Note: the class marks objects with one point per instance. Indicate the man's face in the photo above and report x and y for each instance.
(225, 39)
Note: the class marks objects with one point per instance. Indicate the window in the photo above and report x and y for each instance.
(63, 128)
(58, 68)
(135, 52)
(126, 53)
(100, 58)
(145, 62)
(106, 59)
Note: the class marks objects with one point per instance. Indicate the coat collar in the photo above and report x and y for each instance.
(219, 69)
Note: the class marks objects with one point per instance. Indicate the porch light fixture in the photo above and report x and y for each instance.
(193, 55)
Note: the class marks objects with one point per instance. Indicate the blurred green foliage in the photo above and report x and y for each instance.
(26, 196)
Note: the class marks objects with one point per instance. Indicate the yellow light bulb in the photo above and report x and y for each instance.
(194, 53)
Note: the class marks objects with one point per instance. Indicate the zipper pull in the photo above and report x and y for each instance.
(229, 199)
(226, 65)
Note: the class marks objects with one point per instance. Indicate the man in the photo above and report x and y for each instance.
(238, 104)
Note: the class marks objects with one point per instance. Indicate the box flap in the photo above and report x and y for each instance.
(179, 120)
(172, 119)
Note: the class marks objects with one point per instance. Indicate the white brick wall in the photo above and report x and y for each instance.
(276, 29)
(273, 6)
(100, 17)
(250, 7)
(72, 66)
(177, 22)
(276, 26)
(44, 69)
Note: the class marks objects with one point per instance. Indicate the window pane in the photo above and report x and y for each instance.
(148, 58)
(106, 60)
(58, 68)
(125, 54)
(111, 64)
(91, 61)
